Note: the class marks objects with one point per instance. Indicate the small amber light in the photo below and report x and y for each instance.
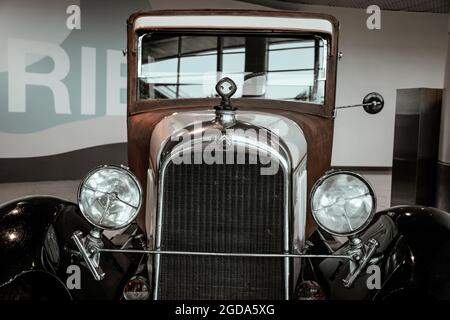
(137, 288)
(310, 290)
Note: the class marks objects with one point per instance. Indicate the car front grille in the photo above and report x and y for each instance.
(221, 208)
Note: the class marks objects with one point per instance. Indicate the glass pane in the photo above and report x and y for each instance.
(291, 55)
(233, 60)
(173, 66)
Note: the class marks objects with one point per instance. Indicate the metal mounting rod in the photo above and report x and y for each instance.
(373, 103)
(227, 254)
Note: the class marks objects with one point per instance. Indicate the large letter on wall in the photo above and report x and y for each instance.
(88, 80)
(19, 78)
(115, 83)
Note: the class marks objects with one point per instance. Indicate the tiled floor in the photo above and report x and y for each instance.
(68, 189)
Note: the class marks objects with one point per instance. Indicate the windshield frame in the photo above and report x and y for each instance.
(136, 105)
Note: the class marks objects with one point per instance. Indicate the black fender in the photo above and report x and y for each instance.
(36, 245)
(413, 257)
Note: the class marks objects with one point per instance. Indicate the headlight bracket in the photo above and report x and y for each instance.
(90, 248)
(361, 254)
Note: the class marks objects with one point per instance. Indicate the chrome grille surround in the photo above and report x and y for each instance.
(290, 152)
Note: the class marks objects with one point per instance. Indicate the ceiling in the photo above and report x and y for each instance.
(436, 6)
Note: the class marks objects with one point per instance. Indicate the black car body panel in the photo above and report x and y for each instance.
(413, 256)
(35, 244)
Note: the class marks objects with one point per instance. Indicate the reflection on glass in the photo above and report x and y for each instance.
(110, 198)
(342, 204)
(173, 66)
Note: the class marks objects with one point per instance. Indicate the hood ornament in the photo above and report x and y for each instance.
(225, 112)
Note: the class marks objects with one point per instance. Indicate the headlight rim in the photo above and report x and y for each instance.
(122, 168)
(334, 172)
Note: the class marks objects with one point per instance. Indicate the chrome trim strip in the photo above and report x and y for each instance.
(158, 230)
(287, 206)
(299, 207)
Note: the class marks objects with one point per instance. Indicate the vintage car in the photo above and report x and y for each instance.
(229, 192)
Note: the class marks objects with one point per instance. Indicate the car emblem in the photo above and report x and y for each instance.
(225, 139)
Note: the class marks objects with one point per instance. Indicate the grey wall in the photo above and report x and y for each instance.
(443, 167)
(444, 147)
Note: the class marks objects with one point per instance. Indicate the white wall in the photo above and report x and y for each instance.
(202, 4)
(408, 52)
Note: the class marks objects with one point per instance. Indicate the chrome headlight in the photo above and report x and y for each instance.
(343, 203)
(110, 197)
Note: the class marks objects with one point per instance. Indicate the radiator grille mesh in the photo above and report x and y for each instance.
(222, 208)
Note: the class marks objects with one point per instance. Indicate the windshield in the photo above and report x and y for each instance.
(175, 66)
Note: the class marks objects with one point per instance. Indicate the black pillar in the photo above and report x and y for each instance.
(256, 63)
(256, 54)
(416, 144)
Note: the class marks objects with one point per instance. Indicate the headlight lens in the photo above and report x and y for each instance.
(343, 203)
(110, 197)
